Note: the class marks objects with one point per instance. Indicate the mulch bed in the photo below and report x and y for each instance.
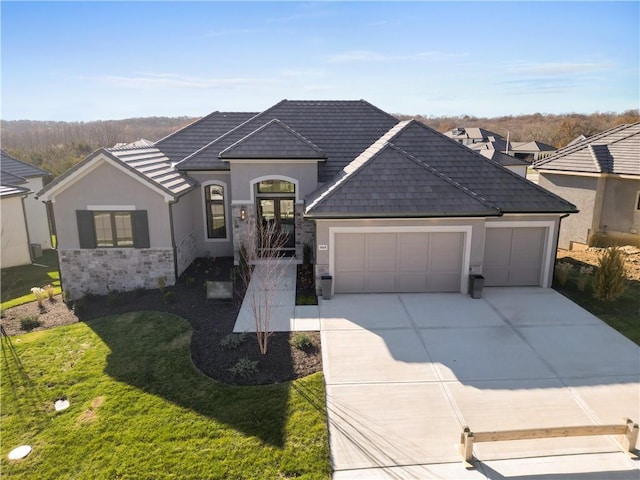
(211, 321)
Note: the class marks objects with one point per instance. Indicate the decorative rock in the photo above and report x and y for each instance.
(61, 404)
(20, 452)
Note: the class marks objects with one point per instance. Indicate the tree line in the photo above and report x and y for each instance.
(57, 146)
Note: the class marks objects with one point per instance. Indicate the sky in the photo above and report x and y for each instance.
(82, 61)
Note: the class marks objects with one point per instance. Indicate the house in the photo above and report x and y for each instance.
(31, 178)
(601, 176)
(530, 151)
(14, 248)
(496, 150)
(471, 135)
(387, 206)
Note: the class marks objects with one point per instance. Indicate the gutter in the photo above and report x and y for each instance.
(553, 273)
(174, 247)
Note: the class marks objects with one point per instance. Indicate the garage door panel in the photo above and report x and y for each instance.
(399, 262)
(513, 256)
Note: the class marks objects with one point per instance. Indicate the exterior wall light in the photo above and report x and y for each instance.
(243, 214)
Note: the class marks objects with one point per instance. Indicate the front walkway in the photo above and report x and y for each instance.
(285, 315)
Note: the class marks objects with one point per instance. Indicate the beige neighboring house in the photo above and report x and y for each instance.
(601, 176)
(33, 179)
(385, 205)
(14, 248)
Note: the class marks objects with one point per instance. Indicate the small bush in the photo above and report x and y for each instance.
(302, 341)
(114, 298)
(40, 294)
(584, 278)
(562, 272)
(306, 254)
(140, 291)
(244, 368)
(232, 340)
(306, 300)
(190, 282)
(169, 297)
(50, 291)
(609, 281)
(29, 323)
(161, 282)
(78, 307)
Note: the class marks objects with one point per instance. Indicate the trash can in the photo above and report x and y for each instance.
(476, 283)
(327, 286)
(36, 250)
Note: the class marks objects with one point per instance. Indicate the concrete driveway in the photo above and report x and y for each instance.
(405, 372)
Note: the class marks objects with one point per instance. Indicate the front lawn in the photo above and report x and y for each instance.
(17, 282)
(140, 409)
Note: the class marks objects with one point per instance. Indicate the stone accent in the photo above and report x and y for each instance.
(305, 231)
(241, 228)
(100, 270)
(186, 251)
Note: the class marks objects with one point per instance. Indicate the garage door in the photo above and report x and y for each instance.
(398, 262)
(513, 256)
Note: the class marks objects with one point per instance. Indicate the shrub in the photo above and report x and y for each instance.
(140, 291)
(190, 282)
(585, 276)
(232, 340)
(169, 297)
(302, 341)
(244, 368)
(562, 272)
(29, 323)
(161, 282)
(40, 294)
(306, 300)
(49, 290)
(609, 281)
(113, 298)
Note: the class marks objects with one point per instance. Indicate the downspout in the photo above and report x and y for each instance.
(26, 227)
(54, 231)
(555, 257)
(174, 247)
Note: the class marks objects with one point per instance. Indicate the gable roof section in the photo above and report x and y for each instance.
(19, 168)
(273, 140)
(7, 191)
(7, 178)
(340, 129)
(196, 135)
(502, 158)
(471, 132)
(614, 151)
(436, 174)
(148, 165)
(532, 146)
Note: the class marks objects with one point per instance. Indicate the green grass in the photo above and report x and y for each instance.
(140, 409)
(17, 282)
(622, 314)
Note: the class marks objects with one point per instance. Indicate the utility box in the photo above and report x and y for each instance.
(327, 286)
(36, 250)
(476, 284)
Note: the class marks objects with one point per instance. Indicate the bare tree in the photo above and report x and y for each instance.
(262, 268)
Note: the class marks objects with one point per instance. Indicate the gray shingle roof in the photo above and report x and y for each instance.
(471, 132)
(614, 151)
(18, 167)
(438, 175)
(273, 140)
(196, 135)
(340, 129)
(11, 191)
(7, 178)
(502, 158)
(156, 167)
(533, 146)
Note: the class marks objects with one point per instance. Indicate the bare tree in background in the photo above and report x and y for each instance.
(262, 269)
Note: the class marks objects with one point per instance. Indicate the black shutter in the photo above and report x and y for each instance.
(86, 230)
(140, 228)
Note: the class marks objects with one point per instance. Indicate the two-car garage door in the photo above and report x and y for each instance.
(398, 262)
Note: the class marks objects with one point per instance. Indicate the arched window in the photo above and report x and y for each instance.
(214, 205)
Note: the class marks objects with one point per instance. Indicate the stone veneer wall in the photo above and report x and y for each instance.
(100, 270)
(186, 251)
(305, 231)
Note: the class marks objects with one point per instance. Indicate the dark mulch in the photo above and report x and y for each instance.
(211, 321)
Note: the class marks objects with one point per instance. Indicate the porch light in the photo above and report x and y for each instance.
(243, 214)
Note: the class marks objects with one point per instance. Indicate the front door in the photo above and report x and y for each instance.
(278, 213)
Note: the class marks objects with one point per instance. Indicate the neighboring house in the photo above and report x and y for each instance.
(387, 206)
(496, 151)
(15, 249)
(530, 151)
(33, 180)
(601, 176)
(471, 135)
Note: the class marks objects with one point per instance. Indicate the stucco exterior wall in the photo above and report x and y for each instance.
(185, 235)
(15, 241)
(101, 270)
(37, 220)
(108, 186)
(583, 193)
(620, 220)
(198, 222)
(244, 174)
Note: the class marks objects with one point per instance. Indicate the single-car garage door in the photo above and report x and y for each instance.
(398, 262)
(513, 256)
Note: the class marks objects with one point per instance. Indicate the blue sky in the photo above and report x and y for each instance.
(98, 61)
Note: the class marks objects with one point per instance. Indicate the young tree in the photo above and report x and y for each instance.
(609, 281)
(262, 268)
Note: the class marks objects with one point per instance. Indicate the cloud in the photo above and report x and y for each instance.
(560, 68)
(170, 80)
(368, 56)
(550, 77)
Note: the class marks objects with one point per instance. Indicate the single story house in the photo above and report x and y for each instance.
(387, 206)
(601, 176)
(496, 151)
(33, 179)
(14, 248)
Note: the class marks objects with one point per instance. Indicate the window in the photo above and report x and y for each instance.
(638, 201)
(113, 229)
(214, 205)
(276, 186)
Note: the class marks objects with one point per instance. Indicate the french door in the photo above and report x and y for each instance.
(277, 215)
